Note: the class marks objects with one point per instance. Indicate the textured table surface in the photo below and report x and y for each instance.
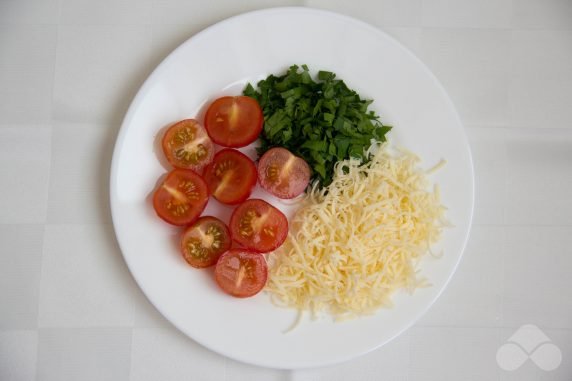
(69, 309)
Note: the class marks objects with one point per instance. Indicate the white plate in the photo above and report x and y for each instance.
(220, 60)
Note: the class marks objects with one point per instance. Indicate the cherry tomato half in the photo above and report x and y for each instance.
(234, 121)
(230, 177)
(181, 198)
(258, 226)
(282, 173)
(187, 145)
(241, 273)
(204, 241)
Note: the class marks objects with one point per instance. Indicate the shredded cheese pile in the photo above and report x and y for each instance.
(352, 244)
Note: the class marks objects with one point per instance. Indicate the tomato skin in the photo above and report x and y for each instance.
(258, 226)
(234, 121)
(230, 177)
(241, 273)
(282, 173)
(205, 241)
(186, 145)
(181, 197)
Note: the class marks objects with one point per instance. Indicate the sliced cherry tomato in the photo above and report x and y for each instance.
(204, 241)
(230, 177)
(187, 145)
(234, 121)
(241, 273)
(181, 198)
(258, 226)
(282, 173)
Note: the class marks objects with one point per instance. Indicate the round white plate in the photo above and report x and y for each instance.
(221, 60)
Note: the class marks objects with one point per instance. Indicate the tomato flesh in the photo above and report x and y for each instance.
(282, 173)
(230, 177)
(181, 197)
(204, 241)
(241, 273)
(234, 121)
(187, 145)
(258, 226)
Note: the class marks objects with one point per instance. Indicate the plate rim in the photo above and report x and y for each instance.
(141, 93)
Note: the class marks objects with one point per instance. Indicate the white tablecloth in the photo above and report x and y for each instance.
(69, 309)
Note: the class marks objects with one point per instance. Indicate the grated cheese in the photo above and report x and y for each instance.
(353, 244)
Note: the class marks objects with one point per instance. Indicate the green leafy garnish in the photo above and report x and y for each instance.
(323, 121)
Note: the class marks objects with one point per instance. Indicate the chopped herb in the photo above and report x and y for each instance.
(323, 121)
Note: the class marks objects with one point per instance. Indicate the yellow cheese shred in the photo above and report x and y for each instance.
(353, 244)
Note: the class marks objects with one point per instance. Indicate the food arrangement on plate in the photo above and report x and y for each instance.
(361, 233)
(365, 212)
